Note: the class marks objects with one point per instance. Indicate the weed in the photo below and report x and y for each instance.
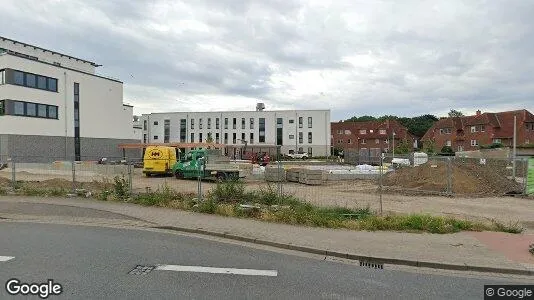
(104, 195)
(207, 206)
(121, 187)
(510, 227)
(230, 191)
(3, 191)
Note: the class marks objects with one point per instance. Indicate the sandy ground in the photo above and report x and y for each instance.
(356, 193)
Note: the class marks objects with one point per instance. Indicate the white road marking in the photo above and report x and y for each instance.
(6, 258)
(198, 269)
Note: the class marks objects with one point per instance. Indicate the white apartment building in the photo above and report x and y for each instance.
(292, 130)
(54, 106)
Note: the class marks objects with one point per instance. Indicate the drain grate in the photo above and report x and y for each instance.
(141, 270)
(371, 265)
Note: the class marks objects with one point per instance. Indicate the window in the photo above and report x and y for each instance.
(301, 137)
(301, 150)
(310, 151)
(291, 136)
(52, 112)
(261, 126)
(234, 138)
(155, 137)
(251, 123)
(234, 124)
(449, 143)
(144, 138)
(363, 131)
(2, 76)
(309, 138)
(200, 139)
(18, 108)
(226, 138)
(166, 131)
(349, 141)
(474, 143)
(52, 84)
(371, 131)
(530, 126)
(291, 121)
(340, 141)
(377, 141)
(300, 122)
(445, 131)
(41, 82)
(200, 126)
(31, 109)
(2, 107)
(144, 124)
(309, 122)
(77, 146)
(348, 132)
(156, 123)
(192, 124)
(225, 123)
(242, 123)
(340, 131)
(386, 141)
(31, 80)
(382, 131)
(243, 137)
(217, 138)
(482, 128)
(18, 78)
(473, 129)
(183, 130)
(496, 141)
(42, 111)
(209, 123)
(217, 125)
(251, 141)
(192, 137)
(363, 141)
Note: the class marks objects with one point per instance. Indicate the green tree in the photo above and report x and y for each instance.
(209, 139)
(416, 125)
(403, 147)
(362, 119)
(429, 147)
(455, 113)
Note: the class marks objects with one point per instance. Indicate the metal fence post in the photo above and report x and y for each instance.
(13, 176)
(279, 164)
(130, 177)
(73, 176)
(380, 181)
(449, 176)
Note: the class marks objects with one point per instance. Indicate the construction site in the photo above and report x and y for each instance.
(450, 186)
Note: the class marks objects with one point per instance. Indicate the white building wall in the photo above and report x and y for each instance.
(102, 114)
(320, 128)
(48, 56)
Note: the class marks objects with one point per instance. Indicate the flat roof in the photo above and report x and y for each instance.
(234, 111)
(53, 52)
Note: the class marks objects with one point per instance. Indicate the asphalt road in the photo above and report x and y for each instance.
(94, 263)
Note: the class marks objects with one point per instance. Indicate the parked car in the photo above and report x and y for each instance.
(300, 155)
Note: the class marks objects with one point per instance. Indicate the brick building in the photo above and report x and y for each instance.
(369, 137)
(470, 132)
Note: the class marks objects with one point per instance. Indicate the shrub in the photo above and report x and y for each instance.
(121, 187)
(229, 191)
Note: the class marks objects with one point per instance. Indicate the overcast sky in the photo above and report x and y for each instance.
(354, 57)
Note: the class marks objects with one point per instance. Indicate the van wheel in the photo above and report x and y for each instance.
(147, 174)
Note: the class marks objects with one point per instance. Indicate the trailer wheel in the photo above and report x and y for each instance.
(179, 175)
(221, 177)
(147, 174)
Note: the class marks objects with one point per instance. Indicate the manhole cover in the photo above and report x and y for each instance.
(371, 265)
(141, 270)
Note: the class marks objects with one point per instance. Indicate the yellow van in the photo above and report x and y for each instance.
(159, 160)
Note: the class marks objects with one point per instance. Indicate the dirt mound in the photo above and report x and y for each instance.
(4, 181)
(466, 179)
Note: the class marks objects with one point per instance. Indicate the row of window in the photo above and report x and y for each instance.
(234, 123)
(28, 109)
(361, 131)
(363, 141)
(166, 138)
(8, 76)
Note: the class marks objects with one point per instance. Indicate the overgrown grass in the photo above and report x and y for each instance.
(233, 200)
(43, 192)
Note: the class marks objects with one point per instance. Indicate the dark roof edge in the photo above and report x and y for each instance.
(124, 104)
(62, 67)
(53, 52)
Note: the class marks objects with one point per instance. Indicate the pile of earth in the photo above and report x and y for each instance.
(4, 181)
(466, 179)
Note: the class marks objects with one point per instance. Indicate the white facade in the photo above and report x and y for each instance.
(50, 111)
(301, 130)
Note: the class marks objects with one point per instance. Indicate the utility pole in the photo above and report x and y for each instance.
(514, 148)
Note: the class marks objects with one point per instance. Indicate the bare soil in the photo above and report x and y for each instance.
(468, 179)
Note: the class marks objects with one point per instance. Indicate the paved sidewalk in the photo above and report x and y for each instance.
(464, 251)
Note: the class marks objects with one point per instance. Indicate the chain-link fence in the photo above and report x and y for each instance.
(352, 182)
